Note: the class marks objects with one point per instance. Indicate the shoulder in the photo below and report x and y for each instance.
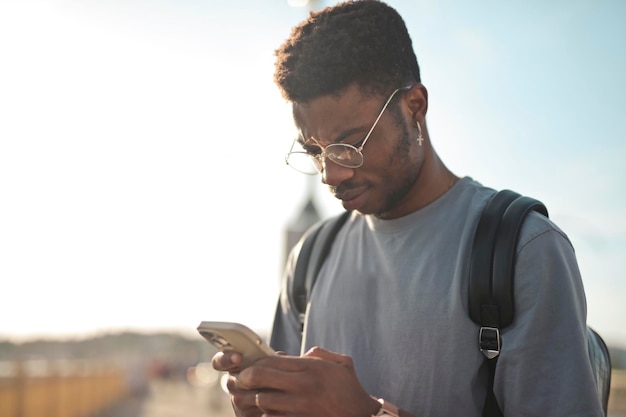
(538, 229)
(546, 269)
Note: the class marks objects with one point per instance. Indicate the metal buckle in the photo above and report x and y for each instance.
(489, 341)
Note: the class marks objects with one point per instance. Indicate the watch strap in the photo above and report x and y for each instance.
(387, 409)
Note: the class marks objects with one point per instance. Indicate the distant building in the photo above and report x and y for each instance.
(307, 217)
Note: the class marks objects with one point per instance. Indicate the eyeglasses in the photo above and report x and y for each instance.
(343, 154)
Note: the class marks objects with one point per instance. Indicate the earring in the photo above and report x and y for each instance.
(420, 138)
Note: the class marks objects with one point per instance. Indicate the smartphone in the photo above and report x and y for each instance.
(229, 336)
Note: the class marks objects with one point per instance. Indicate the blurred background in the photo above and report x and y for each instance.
(143, 187)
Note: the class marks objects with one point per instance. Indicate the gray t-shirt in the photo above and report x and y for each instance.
(393, 296)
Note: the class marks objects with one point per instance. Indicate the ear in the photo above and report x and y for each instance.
(417, 100)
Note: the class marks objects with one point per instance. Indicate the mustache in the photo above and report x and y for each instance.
(342, 188)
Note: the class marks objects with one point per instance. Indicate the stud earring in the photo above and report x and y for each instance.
(420, 138)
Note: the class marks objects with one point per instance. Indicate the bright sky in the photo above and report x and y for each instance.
(142, 182)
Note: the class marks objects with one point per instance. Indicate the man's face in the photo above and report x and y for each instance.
(392, 159)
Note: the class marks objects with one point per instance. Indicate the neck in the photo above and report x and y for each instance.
(433, 181)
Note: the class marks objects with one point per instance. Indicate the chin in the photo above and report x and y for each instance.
(370, 211)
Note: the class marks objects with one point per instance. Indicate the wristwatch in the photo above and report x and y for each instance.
(386, 409)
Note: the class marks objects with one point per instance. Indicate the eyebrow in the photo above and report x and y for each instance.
(347, 133)
(339, 139)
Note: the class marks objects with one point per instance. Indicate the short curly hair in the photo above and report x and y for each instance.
(364, 42)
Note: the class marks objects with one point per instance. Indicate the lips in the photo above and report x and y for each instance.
(347, 195)
(351, 198)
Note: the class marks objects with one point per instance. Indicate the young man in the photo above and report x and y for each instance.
(388, 315)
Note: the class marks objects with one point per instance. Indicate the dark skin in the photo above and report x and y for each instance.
(320, 383)
(398, 177)
(388, 164)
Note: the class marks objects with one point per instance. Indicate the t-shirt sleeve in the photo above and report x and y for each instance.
(544, 368)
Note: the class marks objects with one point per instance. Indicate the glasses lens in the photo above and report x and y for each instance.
(344, 155)
(303, 162)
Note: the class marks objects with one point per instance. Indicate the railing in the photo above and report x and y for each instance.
(83, 388)
(74, 388)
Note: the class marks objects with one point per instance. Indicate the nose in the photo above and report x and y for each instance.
(334, 174)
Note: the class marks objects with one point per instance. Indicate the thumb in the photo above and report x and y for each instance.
(327, 355)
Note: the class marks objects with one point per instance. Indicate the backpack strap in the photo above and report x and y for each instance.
(481, 304)
(492, 263)
(505, 250)
(311, 257)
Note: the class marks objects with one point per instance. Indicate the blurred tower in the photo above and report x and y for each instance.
(307, 217)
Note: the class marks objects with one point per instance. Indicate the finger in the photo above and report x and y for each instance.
(280, 403)
(265, 402)
(318, 352)
(287, 374)
(275, 375)
(257, 377)
(243, 399)
(282, 361)
(288, 363)
(226, 361)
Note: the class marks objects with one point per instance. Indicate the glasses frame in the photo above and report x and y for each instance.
(318, 159)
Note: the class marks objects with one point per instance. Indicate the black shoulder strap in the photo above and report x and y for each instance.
(311, 257)
(480, 278)
(493, 257)
(492, 263)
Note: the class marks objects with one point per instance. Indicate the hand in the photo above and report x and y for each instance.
(320, 383)
(242, 399)
(226, 361)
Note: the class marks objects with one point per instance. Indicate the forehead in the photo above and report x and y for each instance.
(330, 118)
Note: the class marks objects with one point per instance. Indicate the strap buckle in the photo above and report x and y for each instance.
(489, 341)
(301, 320)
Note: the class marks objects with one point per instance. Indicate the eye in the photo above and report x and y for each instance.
(359, 136)
(358, 144)
(312, 150)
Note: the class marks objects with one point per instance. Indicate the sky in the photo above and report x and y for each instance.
(142, 142)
